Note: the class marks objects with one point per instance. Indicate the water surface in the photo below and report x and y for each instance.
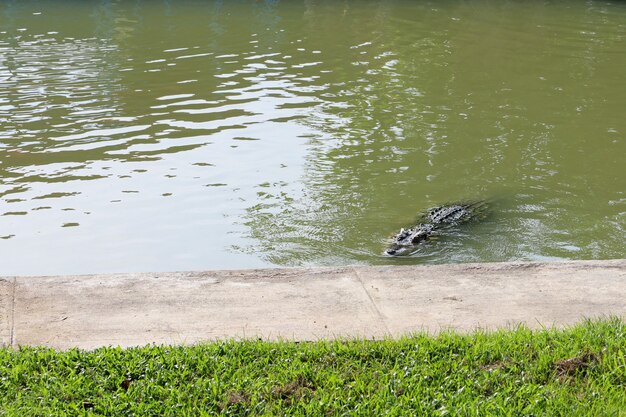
(162, 135)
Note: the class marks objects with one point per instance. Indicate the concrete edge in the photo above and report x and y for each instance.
(7, 310)
(90, 311)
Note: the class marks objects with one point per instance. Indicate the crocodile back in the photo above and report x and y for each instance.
(455, 213)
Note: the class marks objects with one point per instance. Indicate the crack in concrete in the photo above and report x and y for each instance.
(380, 315)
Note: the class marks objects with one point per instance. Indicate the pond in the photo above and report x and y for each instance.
(190, 135)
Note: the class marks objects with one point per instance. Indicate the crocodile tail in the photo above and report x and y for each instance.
(479, 209)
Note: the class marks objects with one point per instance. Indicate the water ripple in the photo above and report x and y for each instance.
(230, 135)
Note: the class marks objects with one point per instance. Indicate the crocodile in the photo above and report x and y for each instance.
(435, 219)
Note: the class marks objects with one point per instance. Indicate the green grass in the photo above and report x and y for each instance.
(571, 372)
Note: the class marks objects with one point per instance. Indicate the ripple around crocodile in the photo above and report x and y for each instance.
(405, 242)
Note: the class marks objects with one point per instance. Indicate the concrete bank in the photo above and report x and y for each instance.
(303, 304)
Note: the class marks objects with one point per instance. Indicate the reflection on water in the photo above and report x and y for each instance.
(195, 135)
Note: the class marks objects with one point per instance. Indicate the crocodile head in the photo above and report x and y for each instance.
(405, 241)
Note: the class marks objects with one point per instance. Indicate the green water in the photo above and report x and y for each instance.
(179, 135)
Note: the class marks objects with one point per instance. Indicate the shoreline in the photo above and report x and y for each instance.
(90, 311)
